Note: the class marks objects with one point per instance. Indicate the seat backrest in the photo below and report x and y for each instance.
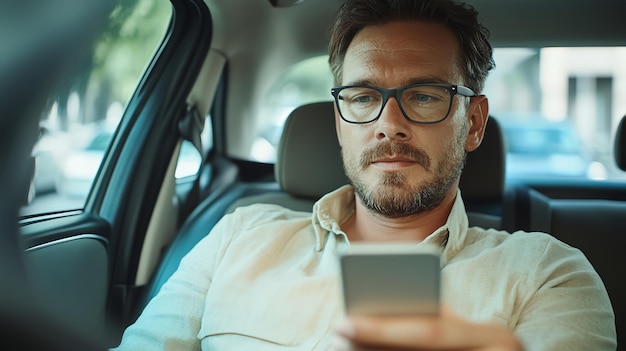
(309, 161)
(309, 165)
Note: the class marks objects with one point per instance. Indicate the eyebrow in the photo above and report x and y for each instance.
(411, 81)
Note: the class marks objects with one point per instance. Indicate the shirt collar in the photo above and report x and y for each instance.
(330, 212)
(336, 207)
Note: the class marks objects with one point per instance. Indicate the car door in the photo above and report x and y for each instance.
(81, 254)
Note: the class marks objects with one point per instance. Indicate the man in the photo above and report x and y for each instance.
(407, 108)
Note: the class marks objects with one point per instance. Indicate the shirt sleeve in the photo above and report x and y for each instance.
(171, 320)
(571, 309)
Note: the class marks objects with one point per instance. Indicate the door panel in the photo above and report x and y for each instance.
(70, 276)
(67, 266)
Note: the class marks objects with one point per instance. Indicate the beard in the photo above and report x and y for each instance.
(394, 196)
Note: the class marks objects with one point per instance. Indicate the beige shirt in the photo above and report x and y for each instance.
(266, 278)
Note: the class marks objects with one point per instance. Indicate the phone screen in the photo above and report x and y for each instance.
(391, 279)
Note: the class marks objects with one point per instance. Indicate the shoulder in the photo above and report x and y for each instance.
(259, 213)
(521, 239)
(532, 250)
(259, 220)
(253, 224)
(530, 261)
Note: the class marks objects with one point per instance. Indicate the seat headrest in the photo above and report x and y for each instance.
(620, 145)
(483, 176)
(309, 158)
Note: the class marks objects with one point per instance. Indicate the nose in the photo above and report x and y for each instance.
(392, 124)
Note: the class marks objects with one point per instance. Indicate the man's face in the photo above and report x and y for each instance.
(399, 168)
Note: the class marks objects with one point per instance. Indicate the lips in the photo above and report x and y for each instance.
(391, 154)
(393, 163)
(394, 158)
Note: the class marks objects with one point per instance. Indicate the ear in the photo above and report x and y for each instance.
(337, 125)
(477, 114)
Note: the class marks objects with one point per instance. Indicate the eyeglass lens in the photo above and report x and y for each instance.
(420, 103)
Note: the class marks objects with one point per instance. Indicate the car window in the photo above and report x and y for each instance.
(559, 108)
(309, 81)
(80, 120)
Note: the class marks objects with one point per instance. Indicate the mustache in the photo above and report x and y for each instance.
(390, 148)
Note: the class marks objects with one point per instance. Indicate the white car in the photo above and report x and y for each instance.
(79, 168)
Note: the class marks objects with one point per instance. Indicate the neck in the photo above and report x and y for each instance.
(366, 225)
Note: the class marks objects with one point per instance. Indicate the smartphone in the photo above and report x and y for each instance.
(390, 279)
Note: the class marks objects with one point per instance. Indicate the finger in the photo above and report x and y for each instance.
(428, 332)
(340, 343)
(393, 332)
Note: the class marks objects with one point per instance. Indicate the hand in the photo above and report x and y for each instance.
(444, 332)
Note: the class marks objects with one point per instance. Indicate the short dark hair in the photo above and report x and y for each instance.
(354, 15)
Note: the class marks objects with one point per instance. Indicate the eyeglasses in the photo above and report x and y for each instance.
(420, 103)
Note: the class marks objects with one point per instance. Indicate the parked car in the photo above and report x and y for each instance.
(539, 148)
(174, 70)
(47, 154)
(79, 168)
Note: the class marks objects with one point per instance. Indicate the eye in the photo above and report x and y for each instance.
(362, 99)
(424, 95)
(361, 96)
(422, 98)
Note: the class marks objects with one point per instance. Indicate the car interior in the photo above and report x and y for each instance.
(96, 262)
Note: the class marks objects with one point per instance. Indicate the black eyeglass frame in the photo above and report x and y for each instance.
(397, 92)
